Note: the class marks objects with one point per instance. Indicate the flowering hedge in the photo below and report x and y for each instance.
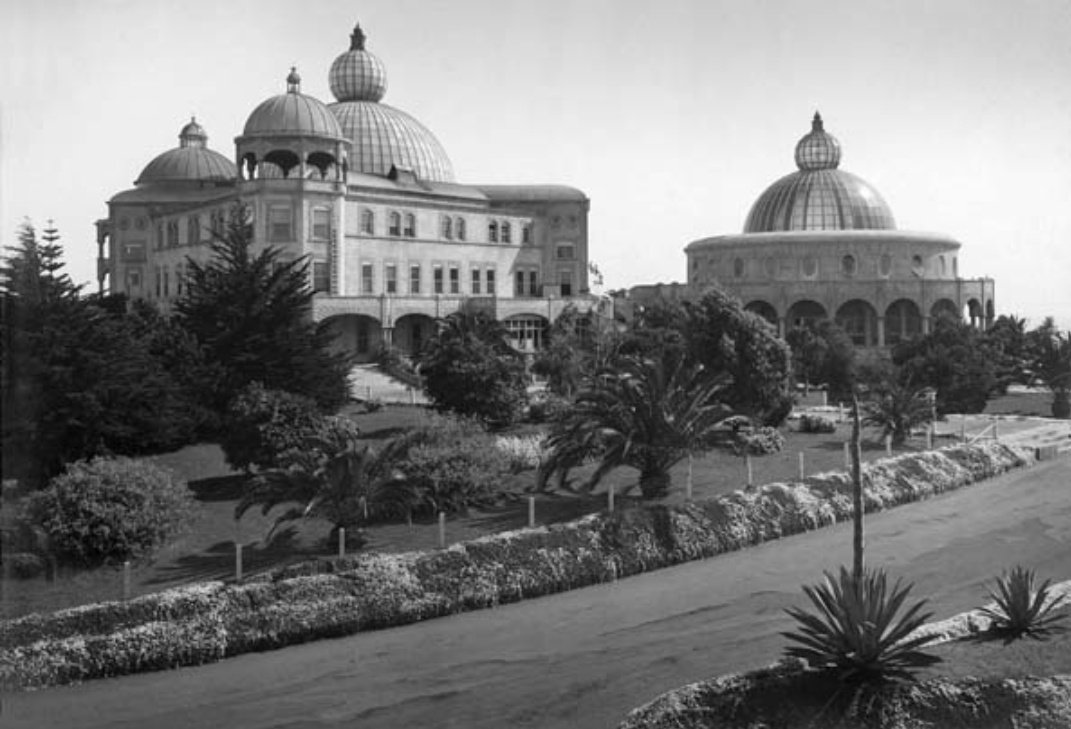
(209, 621)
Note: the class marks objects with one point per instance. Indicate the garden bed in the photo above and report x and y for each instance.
(327, 598)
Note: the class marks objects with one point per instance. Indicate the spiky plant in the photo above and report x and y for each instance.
(858, 630)
(1023, 608)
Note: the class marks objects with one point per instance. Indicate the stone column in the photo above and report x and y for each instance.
(881, 331)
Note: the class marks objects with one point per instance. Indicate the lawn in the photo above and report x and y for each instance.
(207, 550)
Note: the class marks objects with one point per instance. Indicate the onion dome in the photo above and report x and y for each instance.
(191, 161)
(382, 137)
(292, 114)
(819, 196)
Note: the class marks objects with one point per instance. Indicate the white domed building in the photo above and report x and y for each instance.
(821, 243)
(368, 194)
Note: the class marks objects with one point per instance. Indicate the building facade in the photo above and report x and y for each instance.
(368, 195)
(821, 243)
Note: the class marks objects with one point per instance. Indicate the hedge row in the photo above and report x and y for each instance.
(209, 621)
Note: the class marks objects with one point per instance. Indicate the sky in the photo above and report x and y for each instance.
(673, 116)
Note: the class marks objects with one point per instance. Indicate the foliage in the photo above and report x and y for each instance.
(400, 368)
(470, 369)
(1024, 608)
(252, 315)
(334, 478)
(575, 346)
(81, 377)
(811, 423)
(955, 360)
(823, 353)
(1007, 340)
(107, 510)
(451, 478)
(523, 452)
(643, 414)
(546, 406)
(856, 630)
(897, 409)
(1050, 357)
(267, 428)
(761, 441)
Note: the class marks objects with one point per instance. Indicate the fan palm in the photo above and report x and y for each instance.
(335, 479)
(643, 413)
(897, 410)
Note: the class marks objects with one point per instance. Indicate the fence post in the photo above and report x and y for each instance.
(750, 481)
(803, 470)
(409, 518)
(847, 455)
(412, 396)
(996, 436)
(610, 498)
(126, 580)
(888, 445)
(368, 392)
(963, 428)
(688, 484)
(237, 561)
(341, 542)
(531, 511)
(929, 438)
(442, 530)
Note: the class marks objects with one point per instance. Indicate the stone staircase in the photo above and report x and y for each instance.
(367, 382)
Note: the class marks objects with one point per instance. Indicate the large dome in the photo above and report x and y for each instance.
(191, 161)
(292, 113)
(382, 136)
(819, 196)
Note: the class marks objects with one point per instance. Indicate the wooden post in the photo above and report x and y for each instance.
(929, 438)
(409, 518)
(531, 511)
(996, 436)
(412, 396)
(237, 561)
(368, 392)
(803, 470)
(825, 398)
(750, 480)
(688, 484)
(442, 530)
(126, 580)
(888, 445)
(847, 454)
(610, 498)
(341, 542)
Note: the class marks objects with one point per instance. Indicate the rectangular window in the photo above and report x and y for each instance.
(565, 279)
(320, 279)
(178, 280)
(193, 230)
(172, 234)
(455, 280)
(518, 284)
(390, 272)
(476, 281)
(410, 225)
(414, 279)
(366, 279)
(506, 232)
(526, 233)
(321, 224)
(533, 283)
(437, 274)
(167, 283)
(159, 282)
(395, 227)
(368, 222)
(279, 223)
(133, 279)
(134, 251)
(490, 278)
(566, 253)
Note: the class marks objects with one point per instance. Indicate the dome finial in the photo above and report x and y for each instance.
(357, 38)
(816, 123)
(293, 81)
(193, 134)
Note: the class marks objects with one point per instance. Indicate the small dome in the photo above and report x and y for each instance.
(191, 161)
(358, 75)
(292, 113)
(819, 196)
(382, 137)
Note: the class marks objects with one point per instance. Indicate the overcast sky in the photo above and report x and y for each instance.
(673, 116)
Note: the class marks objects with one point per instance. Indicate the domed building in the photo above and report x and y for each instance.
(821, 243)
(368, 195)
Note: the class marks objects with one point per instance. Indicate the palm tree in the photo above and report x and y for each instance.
(643, 413)
(336, 479)
(897, 410)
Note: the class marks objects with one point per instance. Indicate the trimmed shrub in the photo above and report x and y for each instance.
(454, 478)
(270, 428)
(758, 441)
(327, 598)
(810, 423)
(108, 510)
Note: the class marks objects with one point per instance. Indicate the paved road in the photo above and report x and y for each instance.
(584, 658)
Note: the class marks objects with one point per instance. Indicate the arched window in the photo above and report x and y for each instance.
(848, 265)
(193, 230)
(368, 222)
(395, 227)
(172, 233)
(448, 227)
(810, 267)
(461, 229)
(885, 264)
(507, 232)
(410, 225)
(492, 231)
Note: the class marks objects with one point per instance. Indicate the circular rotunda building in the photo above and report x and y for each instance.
(821, 243)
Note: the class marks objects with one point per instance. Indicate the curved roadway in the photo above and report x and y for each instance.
(584, 658)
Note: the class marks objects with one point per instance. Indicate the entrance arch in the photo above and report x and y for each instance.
(902, 321)
(805, 312)
(763, 309)
(526, 331)
(944, 309)
(411, 332)
(356, 334)
(859, 320)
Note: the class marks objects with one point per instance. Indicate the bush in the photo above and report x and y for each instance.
(24, 565)
(269, 428)
(453, 478)
(817, 424)
(546, 407)
(524, 452)
(108, 510)
(758, 441)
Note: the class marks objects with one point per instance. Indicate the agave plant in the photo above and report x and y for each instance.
(857, 630)
(1023, 608)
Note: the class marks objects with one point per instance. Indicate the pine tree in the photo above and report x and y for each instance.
(251, 313)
